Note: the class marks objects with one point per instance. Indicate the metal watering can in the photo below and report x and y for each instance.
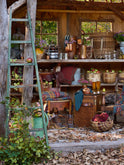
(38, 123)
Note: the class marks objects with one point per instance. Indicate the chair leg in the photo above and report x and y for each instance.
(115, 118)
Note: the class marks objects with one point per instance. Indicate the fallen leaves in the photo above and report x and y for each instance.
(83, 134)
(86, 157)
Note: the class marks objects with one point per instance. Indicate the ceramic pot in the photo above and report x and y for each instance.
(39, 53)
(86, 90)
(122, 46)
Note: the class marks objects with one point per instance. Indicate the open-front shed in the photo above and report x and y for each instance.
(84, 39)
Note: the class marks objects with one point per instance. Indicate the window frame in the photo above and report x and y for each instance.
(94, 20)
(41, 34)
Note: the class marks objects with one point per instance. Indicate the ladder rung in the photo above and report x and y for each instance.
(20, 19)
(21, 108)
(20, 42)
(23, 86)
(30, 130)
(21, 64)
(35, 130)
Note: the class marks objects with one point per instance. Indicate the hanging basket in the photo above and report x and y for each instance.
(102, 126)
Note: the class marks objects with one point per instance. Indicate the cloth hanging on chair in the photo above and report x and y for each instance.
(78, 98)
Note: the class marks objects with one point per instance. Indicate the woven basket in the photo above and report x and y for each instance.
(109, 77)
(93, 76)
(121, 76)
(102, 126)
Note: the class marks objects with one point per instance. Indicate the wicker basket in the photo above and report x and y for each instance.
(121, 76)
(102, 126)
(93, 76)
(109, 77)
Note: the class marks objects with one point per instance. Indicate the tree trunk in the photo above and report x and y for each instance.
(28, 70)
(3, 61)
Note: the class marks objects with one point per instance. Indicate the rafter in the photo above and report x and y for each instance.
(117, 12)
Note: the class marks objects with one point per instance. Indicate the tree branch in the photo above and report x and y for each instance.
(16, 5)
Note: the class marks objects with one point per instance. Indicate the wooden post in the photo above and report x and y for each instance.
(28, 70)
(3, 61)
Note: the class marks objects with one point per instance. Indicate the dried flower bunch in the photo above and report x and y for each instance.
(40, 44)
(84, 82)
(119, 36)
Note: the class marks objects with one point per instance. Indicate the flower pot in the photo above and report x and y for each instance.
(86, 90)
(39, 53)
(122, 46)
(38, 123)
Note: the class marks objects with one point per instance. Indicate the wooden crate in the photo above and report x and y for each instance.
(87, 110)
(105, 39)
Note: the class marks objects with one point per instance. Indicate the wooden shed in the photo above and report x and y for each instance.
(69, 15)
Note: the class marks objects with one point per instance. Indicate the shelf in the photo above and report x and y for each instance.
(74, 61)
(71, 86)
(108, 84)
(120, 84)
(102, 84)
(80, 61)
(20, 94)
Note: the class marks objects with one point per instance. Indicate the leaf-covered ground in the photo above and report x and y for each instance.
(112, 156)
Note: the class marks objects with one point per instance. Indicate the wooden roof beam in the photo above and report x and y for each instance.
(117, 12)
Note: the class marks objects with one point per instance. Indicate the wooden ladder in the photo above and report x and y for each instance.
(33, 63)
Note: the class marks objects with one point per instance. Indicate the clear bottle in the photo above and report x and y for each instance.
(114, 55)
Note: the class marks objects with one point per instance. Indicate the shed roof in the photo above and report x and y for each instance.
(78, 5)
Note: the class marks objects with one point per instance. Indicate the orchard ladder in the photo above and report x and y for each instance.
(34, 63)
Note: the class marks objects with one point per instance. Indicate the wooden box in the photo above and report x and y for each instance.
(87, 110)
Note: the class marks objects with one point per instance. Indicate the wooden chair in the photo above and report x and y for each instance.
(55, 104)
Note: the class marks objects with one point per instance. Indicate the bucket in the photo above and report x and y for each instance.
(38, 123)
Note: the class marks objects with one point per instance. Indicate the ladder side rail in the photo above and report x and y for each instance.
(38, 80)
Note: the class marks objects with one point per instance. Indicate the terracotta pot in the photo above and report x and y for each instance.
(86, 90)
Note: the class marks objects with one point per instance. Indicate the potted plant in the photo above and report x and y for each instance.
(120, 38)
(39, 48)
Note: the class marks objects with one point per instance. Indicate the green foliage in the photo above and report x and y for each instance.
(49, 27)
(119, 36)
(48, 30)
(20, 148)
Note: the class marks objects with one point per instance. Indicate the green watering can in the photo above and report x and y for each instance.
(38, 123)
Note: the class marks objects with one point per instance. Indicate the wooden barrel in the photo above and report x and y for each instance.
(102, 41)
